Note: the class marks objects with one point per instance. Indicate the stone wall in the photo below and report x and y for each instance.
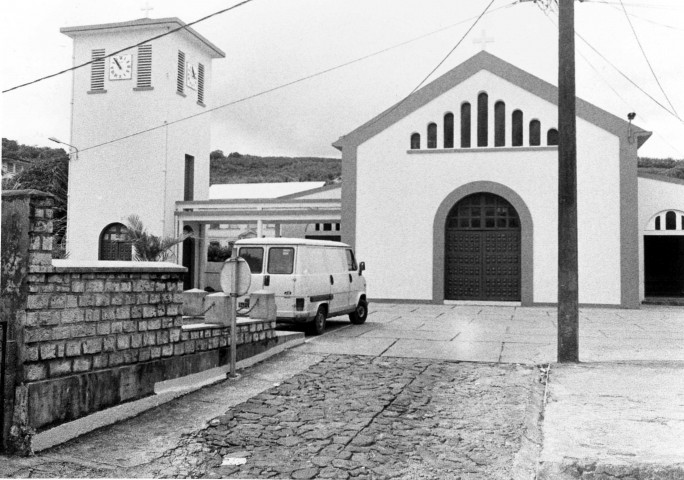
(89, 335)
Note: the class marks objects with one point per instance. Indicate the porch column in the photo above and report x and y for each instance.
(260, 228)
(202, 252)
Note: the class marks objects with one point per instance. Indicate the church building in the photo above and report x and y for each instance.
(452, 195)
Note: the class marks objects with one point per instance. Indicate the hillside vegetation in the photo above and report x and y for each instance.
(238, 168)
(662, 166)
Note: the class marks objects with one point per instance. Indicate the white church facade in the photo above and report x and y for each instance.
(452, 194)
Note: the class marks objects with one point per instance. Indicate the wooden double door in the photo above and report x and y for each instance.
(482, 250)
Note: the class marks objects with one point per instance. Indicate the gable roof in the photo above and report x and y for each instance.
(304, 193)
(493, 64)
(170, 22)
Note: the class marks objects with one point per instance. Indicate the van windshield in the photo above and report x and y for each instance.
(280, 260)
(254, 257)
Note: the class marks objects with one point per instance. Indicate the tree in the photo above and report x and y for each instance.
(148, 247)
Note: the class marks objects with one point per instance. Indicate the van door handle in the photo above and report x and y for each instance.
(267, 280)
(350, 278)
(332, 280)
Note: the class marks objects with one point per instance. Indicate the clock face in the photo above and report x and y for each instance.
(121, 67)
(191, 74)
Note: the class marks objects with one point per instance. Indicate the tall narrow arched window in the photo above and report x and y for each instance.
(449, 130)
(465, 125)
(552, 137)
(499, 124)
(657, 223)
(670, 221)
(114, 243)
(432, 135)
(482, 119)
(535, 133)
(415, 141)
(517, 128)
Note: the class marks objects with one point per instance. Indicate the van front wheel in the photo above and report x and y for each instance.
(318, 326)
(358, 316)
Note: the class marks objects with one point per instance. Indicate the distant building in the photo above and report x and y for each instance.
(12, 166)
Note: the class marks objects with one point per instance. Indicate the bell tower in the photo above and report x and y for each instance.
(137, 121)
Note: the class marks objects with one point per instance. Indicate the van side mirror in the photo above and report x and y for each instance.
(362, 267)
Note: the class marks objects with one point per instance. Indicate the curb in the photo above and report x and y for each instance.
(582, 469)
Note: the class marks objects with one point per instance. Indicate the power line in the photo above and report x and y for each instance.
(127, 48)
(396, 105)
(293, 82)
(641, 115)
(647, 61)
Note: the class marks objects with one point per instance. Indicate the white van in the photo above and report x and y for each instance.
(312, 279)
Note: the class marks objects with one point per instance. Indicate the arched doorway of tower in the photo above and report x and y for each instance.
(482, 250)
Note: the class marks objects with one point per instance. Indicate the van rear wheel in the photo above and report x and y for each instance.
(318, 326)
(358, 316)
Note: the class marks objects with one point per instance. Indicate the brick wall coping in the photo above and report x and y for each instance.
(205, 326)
(101, 266)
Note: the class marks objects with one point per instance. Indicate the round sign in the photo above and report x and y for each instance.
(236, 276)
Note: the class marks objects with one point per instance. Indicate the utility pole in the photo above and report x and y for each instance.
(568, 308)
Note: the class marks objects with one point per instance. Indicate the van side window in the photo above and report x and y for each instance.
(351, 261)
(254, 257)
(280, 260)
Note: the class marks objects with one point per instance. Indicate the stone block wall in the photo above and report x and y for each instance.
(85, 336)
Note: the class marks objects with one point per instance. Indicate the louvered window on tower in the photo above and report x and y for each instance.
(97, 69)
(180, 81)
(144, 66)
(200, 84)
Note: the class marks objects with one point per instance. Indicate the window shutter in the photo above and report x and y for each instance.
(200, 83)
(180, 81)
(144, 66)
(97, 69)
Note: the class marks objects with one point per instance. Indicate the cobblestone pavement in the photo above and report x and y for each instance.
(364, 417)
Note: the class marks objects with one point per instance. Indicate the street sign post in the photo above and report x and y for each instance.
(236, 278)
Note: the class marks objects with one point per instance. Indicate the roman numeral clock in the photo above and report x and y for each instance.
(121, 67)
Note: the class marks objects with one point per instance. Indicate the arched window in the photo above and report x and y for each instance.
(114, 243)
(432, 135)
(552, 137)
(415, 141)
(670, 221)
(499, 124)
(482, 119)
(535, 133)
(465, 125)
(517, 128)
(449, 130)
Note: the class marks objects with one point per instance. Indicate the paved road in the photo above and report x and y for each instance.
(416, 392)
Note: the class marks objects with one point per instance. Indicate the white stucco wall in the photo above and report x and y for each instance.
(656, 196)
(143, 174)
(398, 194)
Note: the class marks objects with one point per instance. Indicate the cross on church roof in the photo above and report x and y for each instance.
(147, 9)
(484, 40)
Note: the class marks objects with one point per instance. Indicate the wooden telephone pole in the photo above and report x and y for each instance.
(568, 308)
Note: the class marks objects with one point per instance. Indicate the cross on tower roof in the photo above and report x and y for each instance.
(484, 40)
(147, 9)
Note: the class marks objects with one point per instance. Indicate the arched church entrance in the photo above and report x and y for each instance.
(482, 250)
(664, 255)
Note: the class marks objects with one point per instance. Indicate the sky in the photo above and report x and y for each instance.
(269, 43)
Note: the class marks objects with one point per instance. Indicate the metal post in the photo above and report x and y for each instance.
(568, 308)
(233, 316)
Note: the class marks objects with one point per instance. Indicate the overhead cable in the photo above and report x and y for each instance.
(99, 59)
